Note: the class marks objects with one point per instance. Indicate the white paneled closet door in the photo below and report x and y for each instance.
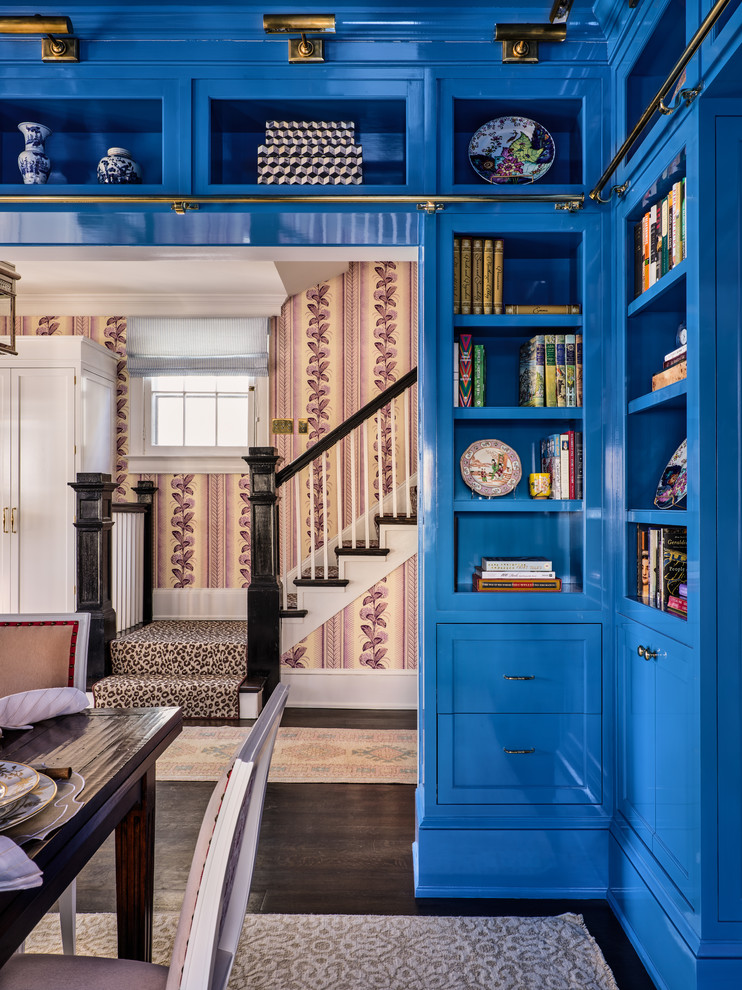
(42, 462)
(5, 503)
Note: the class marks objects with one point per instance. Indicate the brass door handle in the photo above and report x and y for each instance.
(5, 519)
(12, 519)
(514, 752)
(646, 653)
(519, 677)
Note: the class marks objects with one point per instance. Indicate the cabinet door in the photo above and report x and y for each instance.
(659, 747)
(42, 431)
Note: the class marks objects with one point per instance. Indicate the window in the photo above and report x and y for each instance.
(196, 423)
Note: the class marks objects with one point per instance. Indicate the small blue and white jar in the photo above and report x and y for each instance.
(117, 166)
(33, 163)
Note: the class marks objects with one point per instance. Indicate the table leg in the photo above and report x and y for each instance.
(135, 874)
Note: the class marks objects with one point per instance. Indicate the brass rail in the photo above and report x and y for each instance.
(656, 103)
(182, 204)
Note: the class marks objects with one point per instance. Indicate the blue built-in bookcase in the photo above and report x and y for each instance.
(580, 743)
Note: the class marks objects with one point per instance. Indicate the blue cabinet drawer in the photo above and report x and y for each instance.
(519, 759)
(549, 668)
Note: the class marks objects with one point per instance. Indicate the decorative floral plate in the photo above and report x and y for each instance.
(17, 779)
(38, 798)
(511, 150)
(491, 467)
(672, 485)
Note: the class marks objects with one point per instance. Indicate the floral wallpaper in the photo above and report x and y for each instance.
(334, 347)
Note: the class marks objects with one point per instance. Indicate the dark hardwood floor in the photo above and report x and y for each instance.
(334, 849)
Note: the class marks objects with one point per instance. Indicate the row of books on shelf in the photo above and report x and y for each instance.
(662, 568)
(515, 574)
(469, 372)
(659, 239)
(562, 460)
(674, 368)
(550, 370)
(478, 279)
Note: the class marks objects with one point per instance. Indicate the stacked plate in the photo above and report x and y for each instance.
(23, 792)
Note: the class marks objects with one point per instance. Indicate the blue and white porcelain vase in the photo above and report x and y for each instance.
(117, 166)
(33, 163)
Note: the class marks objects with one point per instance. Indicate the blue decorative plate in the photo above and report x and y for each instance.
(511, 150)
(491, 468)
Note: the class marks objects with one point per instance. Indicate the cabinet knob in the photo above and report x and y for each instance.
(646, 653)
(519, 677)
(515, 752)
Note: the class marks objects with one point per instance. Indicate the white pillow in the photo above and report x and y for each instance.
(20, 711)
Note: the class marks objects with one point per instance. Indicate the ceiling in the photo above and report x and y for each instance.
(180, 281)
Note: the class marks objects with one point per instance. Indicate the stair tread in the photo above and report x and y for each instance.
(321, 582)
(293, 613)
(376, 551)
(395, 520)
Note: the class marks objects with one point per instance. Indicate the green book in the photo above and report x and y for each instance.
(480, 375)
(550, 369)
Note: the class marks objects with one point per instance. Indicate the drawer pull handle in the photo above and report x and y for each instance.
(514, 752)
(646, 653)
(519, 677)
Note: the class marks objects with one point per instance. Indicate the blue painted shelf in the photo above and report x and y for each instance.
(517, 412)
(653, 298)
(671, 397)
(522, 323)
(504, 504)
(658, 517)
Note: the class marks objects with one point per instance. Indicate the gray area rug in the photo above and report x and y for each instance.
(374, 952)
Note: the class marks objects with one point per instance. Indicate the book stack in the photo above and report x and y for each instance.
(562, 460)
(550, 372)
(659, 239)
(310, 152)
(662, 568)
(515, 574)
(477, 276)
(470, 370)
(674, 368)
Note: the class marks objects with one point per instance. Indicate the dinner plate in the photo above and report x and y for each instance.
(18, 779)
(32, 802)
(511, 150)
(491, 467)
(672, 485)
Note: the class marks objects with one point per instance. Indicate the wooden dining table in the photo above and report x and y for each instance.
(115, 752)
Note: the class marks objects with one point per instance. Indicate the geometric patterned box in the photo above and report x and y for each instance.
(310, 152)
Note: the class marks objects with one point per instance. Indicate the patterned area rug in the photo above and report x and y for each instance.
(310, 756)
(375, 952)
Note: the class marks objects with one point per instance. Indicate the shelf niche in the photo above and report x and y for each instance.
(238, 128)
(561, 118)
(82, 132)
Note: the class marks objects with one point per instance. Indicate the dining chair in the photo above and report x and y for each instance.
(44, 651)
(215, 900)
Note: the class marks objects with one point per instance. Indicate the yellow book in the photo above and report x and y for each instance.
(466, 276)
(497, 295)
(488, 277)
(477, 270)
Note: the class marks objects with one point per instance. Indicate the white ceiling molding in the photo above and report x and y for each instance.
(161, 281)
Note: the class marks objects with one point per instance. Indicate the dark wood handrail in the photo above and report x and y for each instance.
(342, 431)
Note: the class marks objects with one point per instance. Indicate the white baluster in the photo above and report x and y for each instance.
(379, 463)
(353, 504)
(368, 486)
(394, 457)
(312, 570)
(325, 552)
(297, 513)
(339, 449)
(408, 492)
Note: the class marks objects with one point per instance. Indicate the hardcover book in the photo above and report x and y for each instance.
(466, 359)
(561, 372)
(674, 562)
(516, 564)
(569, 370)
(529, 309)
(480, 371)
(532, 584)
(675, 373)
(578, 369)
(579, 470)
(499, 273)
(477, 277)
(489, 277)
(531, 372)
(466, 276)
(456, 275)
(550, 398)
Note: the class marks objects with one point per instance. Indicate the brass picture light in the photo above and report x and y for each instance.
(520, 41)
(53, 48)
(301, 49)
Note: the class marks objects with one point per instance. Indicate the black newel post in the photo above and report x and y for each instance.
(145, 492)
(93, 523)
(264, 592)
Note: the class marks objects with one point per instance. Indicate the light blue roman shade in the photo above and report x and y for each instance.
(174, 346)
